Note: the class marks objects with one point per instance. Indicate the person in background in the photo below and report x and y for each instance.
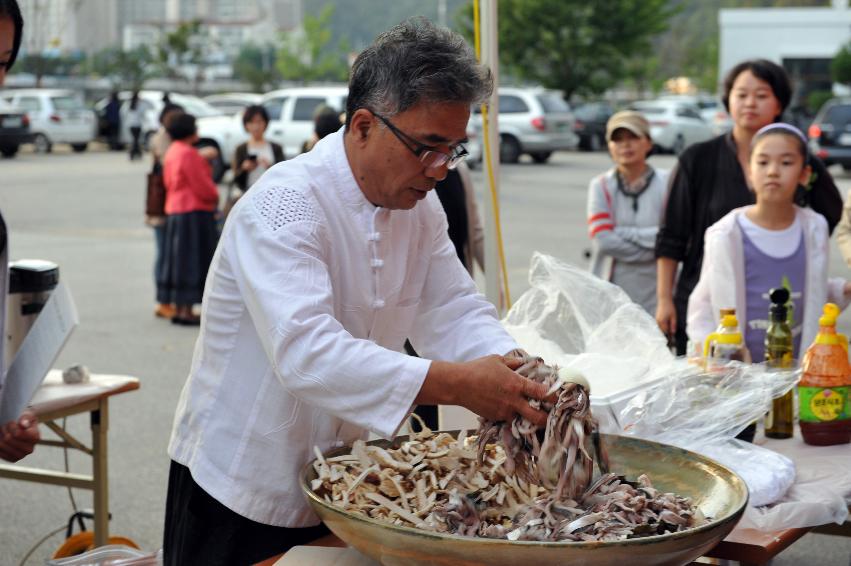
(112, 114)
(159, 144)
(17, 438)
(710, 180)
(190, 231)
(625, 207)
(843, 231)
(773, 243)
(252, 158)
(135, 117)
(326, 121)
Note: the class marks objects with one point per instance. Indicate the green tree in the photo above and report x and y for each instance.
(125, 69)
(840, 67)
(307, 55)
(576, 46)
(256, 66)
(186, 45)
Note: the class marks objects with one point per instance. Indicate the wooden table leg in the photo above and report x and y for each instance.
(100, 426)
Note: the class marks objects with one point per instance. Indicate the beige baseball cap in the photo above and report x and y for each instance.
(628, 120)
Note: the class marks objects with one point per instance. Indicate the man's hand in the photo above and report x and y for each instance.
(487, 386)
(18, 439)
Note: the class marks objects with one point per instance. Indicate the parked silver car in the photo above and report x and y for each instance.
(674, 125)
(532, 121)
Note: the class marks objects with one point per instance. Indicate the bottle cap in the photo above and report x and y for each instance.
(779, 298)
(729, 321)
(827, 320)
(725, 312)
(832, 310)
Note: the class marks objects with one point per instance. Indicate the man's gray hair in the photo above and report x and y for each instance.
(416, 61)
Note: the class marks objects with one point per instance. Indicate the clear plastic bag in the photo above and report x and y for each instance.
(111, 555)
(571, 318)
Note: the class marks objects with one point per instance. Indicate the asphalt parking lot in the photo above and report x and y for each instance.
(85, 212)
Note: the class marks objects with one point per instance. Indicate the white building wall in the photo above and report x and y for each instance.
(778, 33)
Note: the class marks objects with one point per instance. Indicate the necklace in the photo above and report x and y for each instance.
(634, 195)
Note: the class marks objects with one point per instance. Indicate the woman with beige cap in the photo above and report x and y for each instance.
(625, 207)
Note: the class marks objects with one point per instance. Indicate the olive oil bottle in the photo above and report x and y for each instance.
(780, 421)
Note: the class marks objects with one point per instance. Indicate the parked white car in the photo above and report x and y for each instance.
(711, 110)
(533, 121)
(152, 104)
(56, 116)
(674, 125)
(232, 102)
(290, 119)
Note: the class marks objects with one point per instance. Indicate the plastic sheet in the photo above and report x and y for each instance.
(571, 318)
(111, 555)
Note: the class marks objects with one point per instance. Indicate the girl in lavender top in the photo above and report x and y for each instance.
(769, 244)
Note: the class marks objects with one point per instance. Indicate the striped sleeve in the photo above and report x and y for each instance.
(600, 217)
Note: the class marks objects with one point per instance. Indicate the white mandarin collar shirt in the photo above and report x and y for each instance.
(308, 302)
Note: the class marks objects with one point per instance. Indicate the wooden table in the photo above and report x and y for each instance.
(56, 400)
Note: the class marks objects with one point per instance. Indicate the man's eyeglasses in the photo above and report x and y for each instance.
(429, 155)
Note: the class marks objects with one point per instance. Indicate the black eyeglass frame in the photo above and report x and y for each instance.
(423, 151)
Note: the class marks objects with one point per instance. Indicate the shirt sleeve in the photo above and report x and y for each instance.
(675, 231)
(200, 178)
(283, 274)
(454, 321)
(609, 238)
(824, 196)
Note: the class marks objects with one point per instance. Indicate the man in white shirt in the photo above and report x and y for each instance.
(323, 270)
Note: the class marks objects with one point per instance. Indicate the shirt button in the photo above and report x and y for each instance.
(378, 303)
(377, 263)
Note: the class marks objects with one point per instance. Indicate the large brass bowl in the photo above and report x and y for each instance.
(717, 491)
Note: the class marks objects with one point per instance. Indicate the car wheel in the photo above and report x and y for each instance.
(679, 145)
(595, 143)
(509, 149)
(9, 150)
(541, 156)
(42, 144)
(79, 147)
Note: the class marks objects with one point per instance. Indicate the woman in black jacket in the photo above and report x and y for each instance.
(252, 158)
(710, 180)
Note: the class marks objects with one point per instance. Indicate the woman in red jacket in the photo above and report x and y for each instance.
(190, 206)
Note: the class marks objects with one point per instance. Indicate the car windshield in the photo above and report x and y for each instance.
(587, 112)
(67, 102)
(839, 115)
(650, 109)
(195, 106)
(553, 103)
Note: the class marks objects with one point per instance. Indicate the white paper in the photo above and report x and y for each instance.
(38, 351)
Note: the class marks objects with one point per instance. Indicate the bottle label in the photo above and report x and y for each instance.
(823, 404)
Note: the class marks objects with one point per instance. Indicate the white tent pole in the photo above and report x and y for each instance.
(490, 58)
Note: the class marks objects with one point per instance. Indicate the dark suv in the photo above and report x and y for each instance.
(830, 133)
(14, 129)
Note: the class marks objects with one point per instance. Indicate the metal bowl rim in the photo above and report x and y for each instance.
(738, 482)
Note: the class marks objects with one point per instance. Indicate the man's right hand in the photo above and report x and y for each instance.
(487, 386)
(666, 317)
(18, 439)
